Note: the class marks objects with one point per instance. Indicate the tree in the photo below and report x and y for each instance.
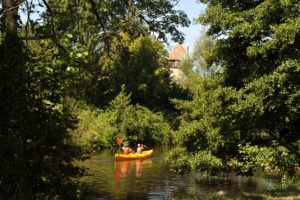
(142, 66)
(196, 64)
(255, 104)
(260, 42)
(36, 150)
(201, 51)
(254, 37)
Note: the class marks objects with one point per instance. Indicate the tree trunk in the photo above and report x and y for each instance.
(10, 16)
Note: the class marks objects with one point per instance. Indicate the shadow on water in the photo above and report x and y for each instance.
(152, 179)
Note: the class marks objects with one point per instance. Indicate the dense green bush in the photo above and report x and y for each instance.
(206, 130)
(133, 123)
(179, 160)
(219, 121)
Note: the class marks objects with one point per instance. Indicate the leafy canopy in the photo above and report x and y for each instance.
(253, 102)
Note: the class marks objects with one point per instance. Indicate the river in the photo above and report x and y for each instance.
(153, 179)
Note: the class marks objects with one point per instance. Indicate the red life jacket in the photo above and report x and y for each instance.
(126, 151)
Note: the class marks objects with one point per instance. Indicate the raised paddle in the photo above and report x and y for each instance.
(119, 140)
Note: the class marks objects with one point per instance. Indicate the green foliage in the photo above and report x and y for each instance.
(255, 97)
(182, 161)
(85, 33)
(179, 160)
(141, 65)
(206, 129)
(219, 118)
(36, 151)
(65, 46)
(92, 125)
(106, 19)
(205, 161)
(202, 50)
(276, 160)
(257, 36)
(198, 64)
(270, 105)
(133, 123)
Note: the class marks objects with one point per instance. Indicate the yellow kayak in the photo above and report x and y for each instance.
(132, 156)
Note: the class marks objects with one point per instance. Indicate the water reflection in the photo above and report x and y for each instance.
(124, 169)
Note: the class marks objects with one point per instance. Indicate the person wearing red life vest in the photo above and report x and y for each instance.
(127, 149)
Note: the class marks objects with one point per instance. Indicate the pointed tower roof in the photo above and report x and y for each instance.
(177, 52)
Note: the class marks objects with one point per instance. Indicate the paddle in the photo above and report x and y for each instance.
(119, 140)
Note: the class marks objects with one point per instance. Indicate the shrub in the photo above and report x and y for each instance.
(99, 128)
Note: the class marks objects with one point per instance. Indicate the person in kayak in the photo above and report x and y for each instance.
(139, 149)
(127, 149)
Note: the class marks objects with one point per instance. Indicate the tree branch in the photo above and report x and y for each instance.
(152, 27)
(54, 39)
(11, 8)
(93, 4)
(38, 37)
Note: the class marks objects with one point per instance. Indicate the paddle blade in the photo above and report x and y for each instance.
(119, 140)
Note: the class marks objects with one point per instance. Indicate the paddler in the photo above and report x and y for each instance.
(127, 149)
(139, 149)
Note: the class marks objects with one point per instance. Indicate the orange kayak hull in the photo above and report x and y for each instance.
(132, 156)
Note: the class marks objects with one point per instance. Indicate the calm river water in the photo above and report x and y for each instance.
(152, 179)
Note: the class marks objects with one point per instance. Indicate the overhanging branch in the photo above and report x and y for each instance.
(152, 27)
(54, 39)
(93, 4)
(51, 37)
(38, 38)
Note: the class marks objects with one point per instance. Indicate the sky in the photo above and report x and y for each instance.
(192, 9)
